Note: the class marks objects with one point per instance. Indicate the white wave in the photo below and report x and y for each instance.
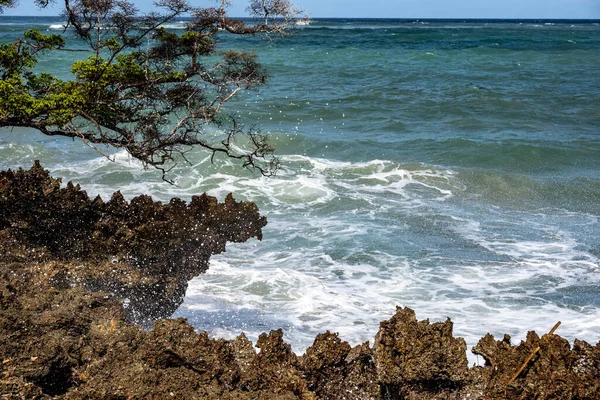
(174, 25)
(347, 242)
(306, 290)
(315, 269)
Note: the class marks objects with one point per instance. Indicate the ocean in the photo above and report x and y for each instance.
(449, 166)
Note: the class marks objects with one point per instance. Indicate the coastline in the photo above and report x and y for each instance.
(68, 328)
(427, 182)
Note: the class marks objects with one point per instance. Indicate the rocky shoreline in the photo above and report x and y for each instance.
(83, 281)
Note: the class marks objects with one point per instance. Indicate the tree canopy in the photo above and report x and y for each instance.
(154, 92)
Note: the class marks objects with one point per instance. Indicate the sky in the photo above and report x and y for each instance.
(539, 9)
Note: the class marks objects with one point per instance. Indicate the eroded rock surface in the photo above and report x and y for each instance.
(142, 251)
(556, 371)
(65, 333)
(416, 356)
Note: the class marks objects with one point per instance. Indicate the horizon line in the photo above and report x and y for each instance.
(391, 18)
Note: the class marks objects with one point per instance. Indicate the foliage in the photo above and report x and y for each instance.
(155, 93)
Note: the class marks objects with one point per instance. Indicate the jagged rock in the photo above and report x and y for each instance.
(143, 251)
(586, 368)
(171, 360)
(68, 264)
(276, 369)
(334, 370)
(416, 356)
(554, 372)
(44, 331)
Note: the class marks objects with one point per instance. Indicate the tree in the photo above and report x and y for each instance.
(155, 93)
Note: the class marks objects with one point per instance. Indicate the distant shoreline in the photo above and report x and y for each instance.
(401, 20)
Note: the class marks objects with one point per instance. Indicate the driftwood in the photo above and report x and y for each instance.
(531, 356)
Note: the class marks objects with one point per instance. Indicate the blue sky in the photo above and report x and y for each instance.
(401, 8)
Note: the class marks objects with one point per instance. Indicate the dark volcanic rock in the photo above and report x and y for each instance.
(142, 251)
(416, 356)
(68, 265)
(554, 372)
(45, 332)
(334, 370)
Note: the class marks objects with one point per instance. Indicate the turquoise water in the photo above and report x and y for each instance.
(448, 166)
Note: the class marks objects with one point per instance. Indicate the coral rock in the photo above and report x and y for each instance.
(143, 251)
(416, 356)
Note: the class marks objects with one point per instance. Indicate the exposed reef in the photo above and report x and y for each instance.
(143, 252)
(78, 276)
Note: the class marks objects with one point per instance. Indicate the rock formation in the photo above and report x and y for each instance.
(78, 276)
(143, 252)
